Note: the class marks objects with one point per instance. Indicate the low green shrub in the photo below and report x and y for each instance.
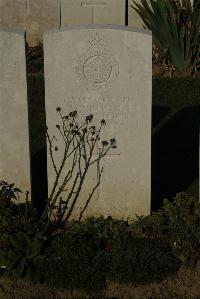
(177, 222)
(143, 261)
(79, 258)
(14, 215)
(20, 257)
(21, 241)
(101, 249)
(89, 253)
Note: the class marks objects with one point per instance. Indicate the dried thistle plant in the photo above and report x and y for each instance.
(83, 148)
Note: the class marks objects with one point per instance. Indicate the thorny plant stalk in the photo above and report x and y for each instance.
(80, 143)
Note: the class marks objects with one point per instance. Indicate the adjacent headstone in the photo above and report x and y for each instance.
(12, 13)
(34, 16)
(40, 16)
(14, 142)
(78, 12)
(105, 71)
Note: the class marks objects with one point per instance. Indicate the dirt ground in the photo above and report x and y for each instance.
(185, 285)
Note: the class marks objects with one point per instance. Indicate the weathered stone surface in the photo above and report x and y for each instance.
(105, 71)
(12, 13)
(78, 12)
(34, 16)
(14, 143)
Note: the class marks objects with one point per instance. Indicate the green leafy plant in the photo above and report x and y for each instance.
(20, 241)
(96, 250)
(8, 192)
(15, 215)
(176, 222)
(175, 27)
(78, 258)
(142, 260)
(19, 259)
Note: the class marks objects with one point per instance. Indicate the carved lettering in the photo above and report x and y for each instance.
(116, 111)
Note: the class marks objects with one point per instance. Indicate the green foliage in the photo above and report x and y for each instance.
(79, 258)
(20, 241)
(8, 192)
(178, 222)
(88, 253)
(99, 249)
(20, 257)
(143, 260)
(175, 27)
(14, 216)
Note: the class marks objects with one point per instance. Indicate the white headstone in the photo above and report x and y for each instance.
(34, 16)
(78, 12)
(106, 71)
(12, 13)
(14, 143)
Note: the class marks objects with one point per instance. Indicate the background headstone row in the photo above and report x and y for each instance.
(36, 16)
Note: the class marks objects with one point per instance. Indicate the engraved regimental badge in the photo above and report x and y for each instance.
(98, 68)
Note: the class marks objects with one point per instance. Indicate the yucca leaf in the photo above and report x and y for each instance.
(175, 29)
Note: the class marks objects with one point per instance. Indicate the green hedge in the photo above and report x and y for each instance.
(176, 92)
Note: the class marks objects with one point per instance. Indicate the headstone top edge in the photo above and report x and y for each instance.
(12, 30)
(95, 27)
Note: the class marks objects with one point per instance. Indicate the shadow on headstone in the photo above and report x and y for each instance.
(175, 155)
(158, 114)
(38, 149)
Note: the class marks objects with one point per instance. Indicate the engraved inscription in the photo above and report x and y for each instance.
(116, 112)
(98, 67)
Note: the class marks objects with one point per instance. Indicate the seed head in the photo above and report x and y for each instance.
(113, 141)
(88, 118)
(104, 143)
